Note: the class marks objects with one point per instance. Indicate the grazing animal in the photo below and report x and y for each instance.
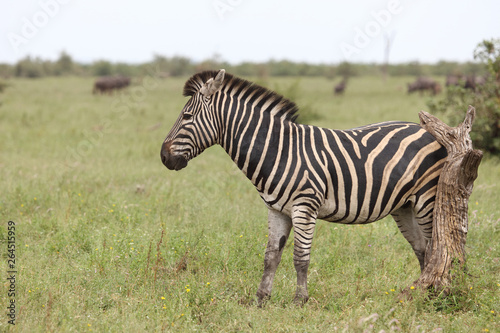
(422, 84)
(453, 80)
(304, 173)
(340, 87)
(107, 84)
(471, 82)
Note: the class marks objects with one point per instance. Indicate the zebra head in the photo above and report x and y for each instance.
(194, 130)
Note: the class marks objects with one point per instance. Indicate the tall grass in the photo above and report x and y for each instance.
(109, 240)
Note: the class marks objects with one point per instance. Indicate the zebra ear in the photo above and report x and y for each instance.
(213, 85)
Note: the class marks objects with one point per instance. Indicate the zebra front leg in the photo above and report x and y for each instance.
(303, 228)
(279, 226)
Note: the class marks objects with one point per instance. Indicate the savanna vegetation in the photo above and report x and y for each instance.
(180, 66)
(108, 240)
(485, 97)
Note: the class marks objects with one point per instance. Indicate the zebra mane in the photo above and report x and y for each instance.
(288, 109)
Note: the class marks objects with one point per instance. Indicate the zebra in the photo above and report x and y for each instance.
(304, 173)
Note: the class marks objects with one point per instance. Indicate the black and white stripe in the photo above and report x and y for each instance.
(303, 172)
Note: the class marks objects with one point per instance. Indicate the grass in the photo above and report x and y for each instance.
(109, 240)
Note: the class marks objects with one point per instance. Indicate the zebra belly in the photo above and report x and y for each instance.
(370, 199)
(348, 217)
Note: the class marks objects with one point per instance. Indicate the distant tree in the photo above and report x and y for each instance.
(474, 68)
(485, 98)
(282, 68)
(124, 69)
(213, 63)
(387, 50)
(330, 72)
(102, 68)
(63, 65)
(49, 67)
(293, 91)
(6, 70)
(30, 68)
(246, 69)
(183, 66)
(161, 63)
(447, 68)
(180, 66)
(414, 68)
(346, 69)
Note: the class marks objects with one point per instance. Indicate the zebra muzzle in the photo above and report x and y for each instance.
(172, 162)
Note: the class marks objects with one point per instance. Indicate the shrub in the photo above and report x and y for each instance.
(485, 97)
(307, 113)
(102, 68)
(31, 68)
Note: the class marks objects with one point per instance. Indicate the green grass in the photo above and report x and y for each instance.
(109, 240)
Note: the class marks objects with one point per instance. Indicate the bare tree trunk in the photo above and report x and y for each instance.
(446, 251)
(388, 45)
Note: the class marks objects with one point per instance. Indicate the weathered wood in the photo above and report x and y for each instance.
(446, 251)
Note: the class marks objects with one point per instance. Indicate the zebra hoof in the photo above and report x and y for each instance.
(300, 300)
(262, 299)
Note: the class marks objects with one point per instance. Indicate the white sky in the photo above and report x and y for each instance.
(246, 30)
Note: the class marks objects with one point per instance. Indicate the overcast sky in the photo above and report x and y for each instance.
(247, 30)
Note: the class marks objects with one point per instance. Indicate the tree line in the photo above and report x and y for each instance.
(34, 67)
(485, 97)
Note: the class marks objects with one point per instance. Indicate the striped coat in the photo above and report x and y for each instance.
(304, 173)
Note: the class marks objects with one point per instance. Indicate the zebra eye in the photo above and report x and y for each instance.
(187, 116)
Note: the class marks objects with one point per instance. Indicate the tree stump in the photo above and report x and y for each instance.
(446, 250)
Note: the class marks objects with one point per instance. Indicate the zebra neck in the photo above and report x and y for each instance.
(256, 140)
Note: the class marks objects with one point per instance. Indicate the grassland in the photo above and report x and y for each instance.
(109, 240)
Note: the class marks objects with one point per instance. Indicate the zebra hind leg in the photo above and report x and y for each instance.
(279, 226)
(414, 232)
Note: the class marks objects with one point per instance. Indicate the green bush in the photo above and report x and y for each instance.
(307, 113)
(102, 68)
(485, 98)
(31, 68)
